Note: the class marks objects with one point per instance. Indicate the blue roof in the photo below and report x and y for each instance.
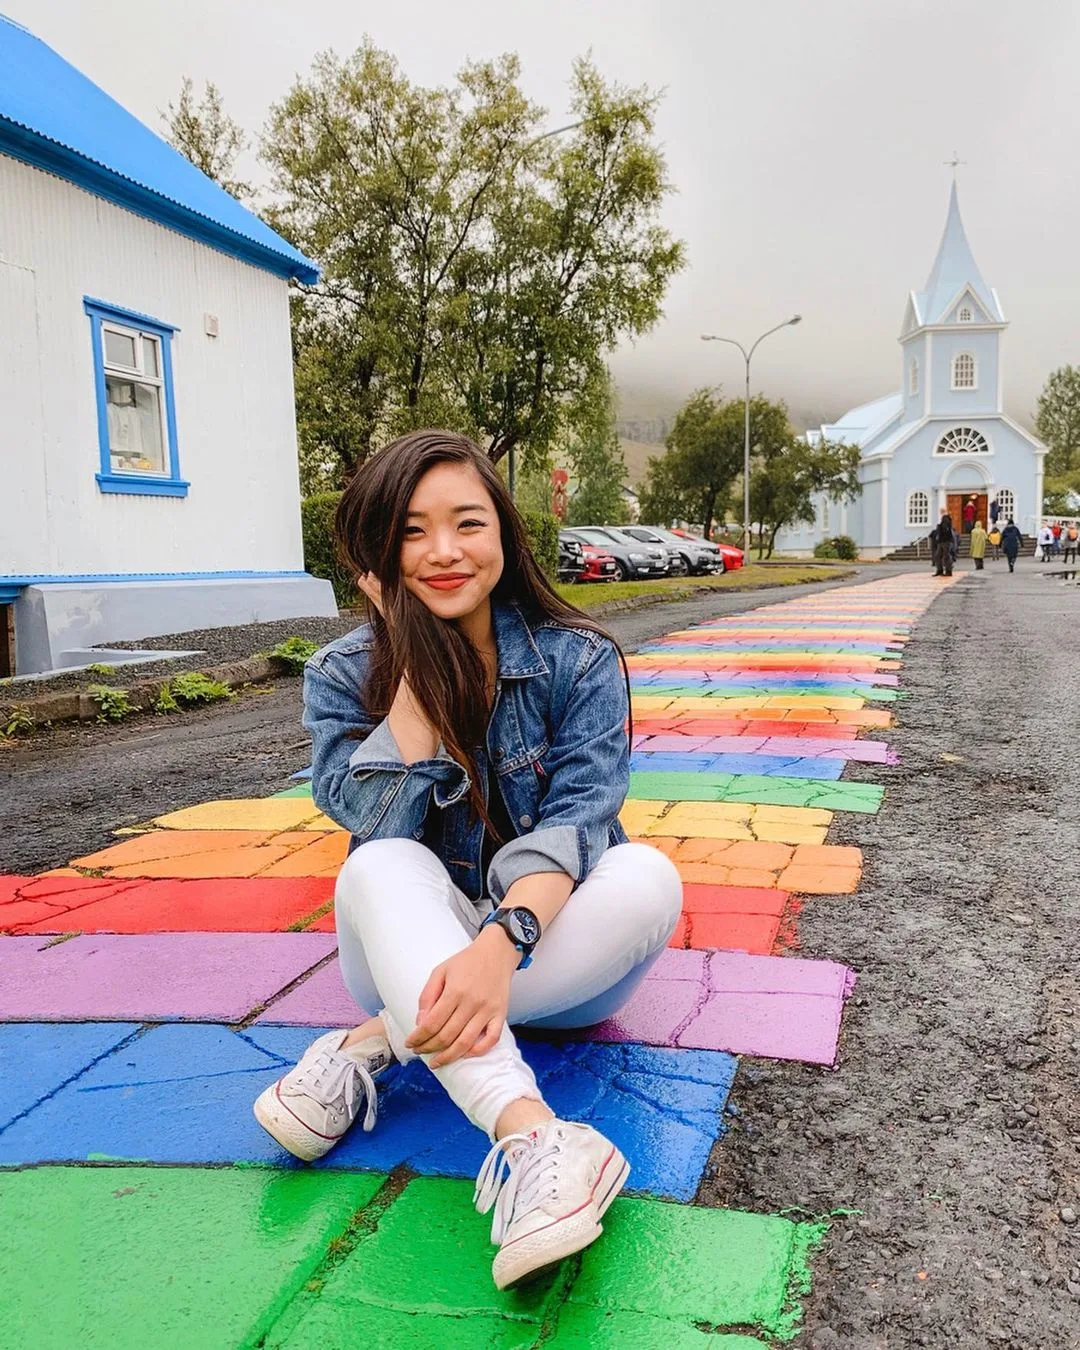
(54, 117)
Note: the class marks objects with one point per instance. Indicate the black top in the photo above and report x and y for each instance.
(504, 827)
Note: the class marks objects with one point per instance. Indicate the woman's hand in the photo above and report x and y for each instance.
(464, 1003)
(369, 583)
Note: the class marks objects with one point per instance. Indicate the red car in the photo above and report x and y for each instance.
(599, 565)
(733, 557)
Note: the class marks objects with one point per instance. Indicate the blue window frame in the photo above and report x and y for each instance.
(136, 413)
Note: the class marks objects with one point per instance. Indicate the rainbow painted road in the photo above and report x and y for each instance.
(149, 991)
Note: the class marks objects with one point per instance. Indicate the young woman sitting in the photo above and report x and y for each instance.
(472, 738)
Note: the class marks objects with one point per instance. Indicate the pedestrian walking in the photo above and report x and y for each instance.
(472, 739)
(969, 515)
(994, 540)
(1056, 530)
(995, 511)
(1070, 539)
(1046, 542)
(944, 541)
(978, 545)
(1011, 539)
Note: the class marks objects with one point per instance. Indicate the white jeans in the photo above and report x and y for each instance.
(399, 916)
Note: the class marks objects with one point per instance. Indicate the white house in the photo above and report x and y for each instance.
(147, 429)
(945, 436)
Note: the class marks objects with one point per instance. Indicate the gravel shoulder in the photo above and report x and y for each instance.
(951, 1127)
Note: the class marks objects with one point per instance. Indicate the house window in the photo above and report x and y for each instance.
(918, 508)
(913, 376)
(1007, 501)
(823, 512)
(963, 371)
(965, 314)
(135, 410)
(962, 441)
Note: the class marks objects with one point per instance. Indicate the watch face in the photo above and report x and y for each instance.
(523, 926)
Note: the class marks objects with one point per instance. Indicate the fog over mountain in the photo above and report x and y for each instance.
(806, 143)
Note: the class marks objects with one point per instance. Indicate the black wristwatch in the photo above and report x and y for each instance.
(521, 926)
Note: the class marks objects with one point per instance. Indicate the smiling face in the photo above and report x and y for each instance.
(452, 555)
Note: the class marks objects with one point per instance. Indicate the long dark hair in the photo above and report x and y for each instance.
(446, 672)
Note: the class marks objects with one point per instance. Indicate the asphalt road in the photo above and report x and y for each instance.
(952, 1126)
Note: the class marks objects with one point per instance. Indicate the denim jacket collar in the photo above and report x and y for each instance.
(519, 656)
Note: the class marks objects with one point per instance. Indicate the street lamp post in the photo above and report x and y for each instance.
(746, 355)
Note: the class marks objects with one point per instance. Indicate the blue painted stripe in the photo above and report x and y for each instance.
(764, 766)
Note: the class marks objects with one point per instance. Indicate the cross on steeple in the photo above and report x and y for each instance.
(954, 163)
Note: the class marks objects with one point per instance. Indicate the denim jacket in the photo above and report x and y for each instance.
(556, 738)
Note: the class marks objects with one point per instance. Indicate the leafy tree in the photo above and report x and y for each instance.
(704, 459)
(203, 132)
(1057, 420)
(573, 262)
(595, 457)
(473, 270)
(783, 484)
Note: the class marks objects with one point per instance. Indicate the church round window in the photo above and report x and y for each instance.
(962, 441)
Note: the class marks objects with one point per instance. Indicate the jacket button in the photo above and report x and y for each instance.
(499, 753)
(525, 822)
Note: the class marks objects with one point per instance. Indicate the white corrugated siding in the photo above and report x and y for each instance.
(233, 394)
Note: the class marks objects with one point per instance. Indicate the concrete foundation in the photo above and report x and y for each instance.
(56, 621)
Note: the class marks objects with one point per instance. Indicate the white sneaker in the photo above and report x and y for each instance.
(309, 1109)
(559, 1181)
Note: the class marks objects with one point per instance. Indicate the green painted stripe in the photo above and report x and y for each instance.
(757, 789)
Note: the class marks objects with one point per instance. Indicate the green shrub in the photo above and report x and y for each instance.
(165, 703)
(542, 529)
(293, 653)
(320, 552)
(100, 671)
(113, 704)
(194, 688)
(846, 548)
(826, 549)
(20, 721)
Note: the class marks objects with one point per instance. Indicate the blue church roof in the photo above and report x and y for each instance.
(54, 117)
(953, 269)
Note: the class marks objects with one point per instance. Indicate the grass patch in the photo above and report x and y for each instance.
(748, 578)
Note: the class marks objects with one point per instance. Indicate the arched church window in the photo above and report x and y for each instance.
(913, 376)
(965, 314)
(962, 441)
(1007, 501)
(918, 508)
(963, 371)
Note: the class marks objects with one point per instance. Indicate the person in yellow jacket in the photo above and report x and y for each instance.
(995, 539)
(978, 545)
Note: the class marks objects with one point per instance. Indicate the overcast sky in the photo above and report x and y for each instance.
(806, 140)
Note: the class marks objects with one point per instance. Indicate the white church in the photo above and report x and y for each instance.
(945, 436)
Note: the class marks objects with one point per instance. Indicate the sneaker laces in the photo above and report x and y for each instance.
(331, 1075)
(519, 1171)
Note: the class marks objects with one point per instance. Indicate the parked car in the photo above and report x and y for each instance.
(634, 561)
(645, 534)
(571, 559)
(600, 565)
(695, 556)
(731, 557)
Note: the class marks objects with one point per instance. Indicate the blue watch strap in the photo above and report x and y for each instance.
(493, 917)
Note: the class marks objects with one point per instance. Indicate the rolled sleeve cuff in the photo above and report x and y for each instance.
(554, 848)
(379, 753)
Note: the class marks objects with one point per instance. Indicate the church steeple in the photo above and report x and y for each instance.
(954, 270)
